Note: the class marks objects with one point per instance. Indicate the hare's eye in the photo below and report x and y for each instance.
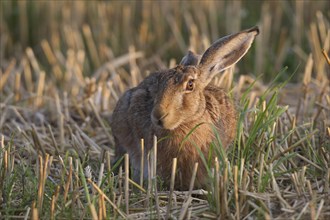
(190, 85)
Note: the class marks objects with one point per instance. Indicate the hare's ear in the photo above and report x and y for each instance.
(226, 52)
(191, 59)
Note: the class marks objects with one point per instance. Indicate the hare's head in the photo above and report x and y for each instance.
(180, 96)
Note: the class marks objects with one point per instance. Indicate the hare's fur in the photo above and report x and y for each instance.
(172, 103)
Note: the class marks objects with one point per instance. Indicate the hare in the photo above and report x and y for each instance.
(171, 103)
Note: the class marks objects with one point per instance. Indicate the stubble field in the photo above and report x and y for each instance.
(65, 64)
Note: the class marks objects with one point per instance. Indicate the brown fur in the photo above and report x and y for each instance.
(165, 105)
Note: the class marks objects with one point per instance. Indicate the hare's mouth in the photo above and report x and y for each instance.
(164, 122)
(158, 121)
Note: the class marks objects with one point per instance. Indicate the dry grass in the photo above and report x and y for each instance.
(64, 65)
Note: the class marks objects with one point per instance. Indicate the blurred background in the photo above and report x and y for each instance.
(99, 31)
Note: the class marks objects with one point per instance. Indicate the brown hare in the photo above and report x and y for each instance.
(171, 103)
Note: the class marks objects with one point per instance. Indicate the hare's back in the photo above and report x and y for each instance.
(131, 117)
(120, 117)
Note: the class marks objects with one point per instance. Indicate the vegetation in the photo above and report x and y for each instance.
(64, 65)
